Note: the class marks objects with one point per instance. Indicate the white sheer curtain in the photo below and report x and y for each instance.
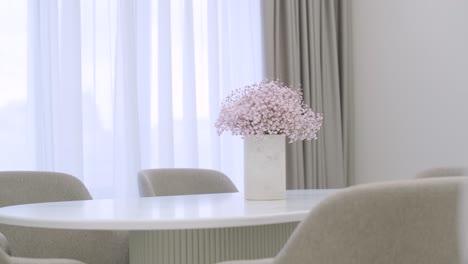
(101, 89)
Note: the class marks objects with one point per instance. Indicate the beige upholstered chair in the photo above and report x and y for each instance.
(92, 247)
(443, 172)
(163, 182)
(399, 222)
(5, 258)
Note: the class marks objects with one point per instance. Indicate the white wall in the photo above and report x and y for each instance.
(411, 87)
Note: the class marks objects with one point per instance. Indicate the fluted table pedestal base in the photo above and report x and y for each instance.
(205, 246)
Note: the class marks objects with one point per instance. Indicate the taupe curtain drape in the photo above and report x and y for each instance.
(306, 43)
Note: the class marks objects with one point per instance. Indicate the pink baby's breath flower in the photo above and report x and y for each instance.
(268, 108)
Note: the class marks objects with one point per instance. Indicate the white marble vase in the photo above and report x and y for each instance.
(265, 167)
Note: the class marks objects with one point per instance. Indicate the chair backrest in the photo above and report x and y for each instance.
(443, 172)
(92, 247)
(163, 182)
(406, 222)
(22, 187)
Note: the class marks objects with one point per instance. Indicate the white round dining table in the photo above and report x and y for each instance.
(204, 228)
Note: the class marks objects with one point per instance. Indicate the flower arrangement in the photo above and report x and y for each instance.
(268, 108)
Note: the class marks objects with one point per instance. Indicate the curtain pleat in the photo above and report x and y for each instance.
(165, 109)
(343, 11)
(225, 81)
(144, 52)
(44, 75)
(189, 101)
(68, 107)
(213, 78)
(127, 152)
